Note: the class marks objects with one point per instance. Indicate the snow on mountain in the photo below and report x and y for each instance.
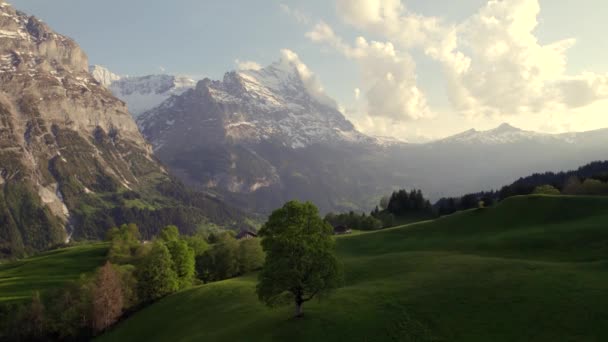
(257, 105)
(103, 75)
(142, 93)
(502, 134)
(265, 136)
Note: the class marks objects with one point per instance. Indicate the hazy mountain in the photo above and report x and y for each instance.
(72, 160)
(144, 92)
(478, 160)
(261, 137)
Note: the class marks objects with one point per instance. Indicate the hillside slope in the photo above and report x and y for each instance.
(48, 271)
(531, 269)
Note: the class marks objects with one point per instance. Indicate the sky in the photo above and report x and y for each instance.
(410, 69)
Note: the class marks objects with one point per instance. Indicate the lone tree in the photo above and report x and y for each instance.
(300, 262)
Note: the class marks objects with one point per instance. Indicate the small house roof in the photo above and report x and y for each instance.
(243, 233)
(341, 228)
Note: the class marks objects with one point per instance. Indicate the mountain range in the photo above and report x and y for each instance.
(72, 160)
(261, 137)
(83, 149)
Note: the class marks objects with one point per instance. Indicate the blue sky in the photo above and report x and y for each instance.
(204, 38)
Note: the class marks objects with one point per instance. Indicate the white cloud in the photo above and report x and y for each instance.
(310, 80)
(389, 75)
(391, 19)
(295, 13)
(494, 65)
(247, 65)
(357, 93)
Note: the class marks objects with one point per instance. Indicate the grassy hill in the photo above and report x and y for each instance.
(531, 269)
(19, 280)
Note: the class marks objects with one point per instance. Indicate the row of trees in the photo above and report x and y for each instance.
(591, 179)
(136, 274)
(354, 221)
(402, 203)
(297, 258)
(401, 206)
(229, 258)
(79, 311)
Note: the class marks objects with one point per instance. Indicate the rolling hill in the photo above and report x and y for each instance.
(533, 268)
(47, 271)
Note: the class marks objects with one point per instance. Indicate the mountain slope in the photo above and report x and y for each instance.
(72, 160)
(532, 268)
(482, 160)
(260, 137)
(252, 106)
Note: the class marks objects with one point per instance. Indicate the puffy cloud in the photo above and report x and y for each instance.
(389, 75)
(583, 89)
(247, 65)
(390, 18)
(494, 64)
(310, 80)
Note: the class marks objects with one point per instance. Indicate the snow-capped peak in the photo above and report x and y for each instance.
(289, 77)
(142, 93)
(504, 133)
(274, 103)
(104, 76)
(505, 128)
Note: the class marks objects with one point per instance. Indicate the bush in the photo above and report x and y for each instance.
(546, 190)
(250, 255)
(124, 242)
(354, 221)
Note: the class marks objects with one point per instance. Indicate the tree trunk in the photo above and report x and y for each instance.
(299, 312)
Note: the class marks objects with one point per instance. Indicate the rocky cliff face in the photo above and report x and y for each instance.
(69, 149)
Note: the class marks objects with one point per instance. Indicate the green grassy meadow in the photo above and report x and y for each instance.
(533, 268)
(47, 271)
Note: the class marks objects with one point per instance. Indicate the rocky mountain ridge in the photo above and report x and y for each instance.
(72, 160)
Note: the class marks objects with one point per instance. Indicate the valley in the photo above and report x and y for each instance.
(524, 270)
(185, 194)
